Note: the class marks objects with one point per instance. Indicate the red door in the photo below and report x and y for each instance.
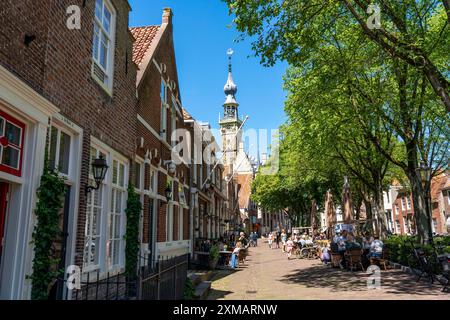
(4, 187)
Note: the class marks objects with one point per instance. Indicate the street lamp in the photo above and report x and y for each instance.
(99, 169)
(425, 174)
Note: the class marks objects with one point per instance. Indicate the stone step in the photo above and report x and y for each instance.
(202, 290)
(198, 277)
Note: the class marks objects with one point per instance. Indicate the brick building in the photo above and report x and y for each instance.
(399, 207)
(165, 219)
(79, 87)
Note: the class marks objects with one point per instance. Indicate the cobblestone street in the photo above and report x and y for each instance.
(269, 275)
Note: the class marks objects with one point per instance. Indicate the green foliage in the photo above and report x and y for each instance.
(356, 104)
(133, 212)
(188, 293)
(214, 252)
(401, 246)
(50, 202)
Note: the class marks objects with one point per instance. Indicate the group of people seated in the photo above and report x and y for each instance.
(371, 246)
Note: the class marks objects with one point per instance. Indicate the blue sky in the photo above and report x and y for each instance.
(202, 35)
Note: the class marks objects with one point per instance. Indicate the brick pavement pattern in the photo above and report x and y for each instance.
(269, 275)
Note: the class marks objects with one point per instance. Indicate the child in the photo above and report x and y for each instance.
(325, 256)
(289, 246)
(270, 240)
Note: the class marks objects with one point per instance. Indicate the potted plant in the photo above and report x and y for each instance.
(213, 256)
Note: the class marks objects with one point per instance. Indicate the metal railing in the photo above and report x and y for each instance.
(163, 279)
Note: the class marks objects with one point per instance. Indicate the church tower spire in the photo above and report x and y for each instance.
(231, 136)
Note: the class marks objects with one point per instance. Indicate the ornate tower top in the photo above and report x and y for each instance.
(230, 88)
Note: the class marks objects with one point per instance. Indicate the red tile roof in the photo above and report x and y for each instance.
(144, 37)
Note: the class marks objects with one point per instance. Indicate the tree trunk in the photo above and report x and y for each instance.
(380, 213)
(418, 194)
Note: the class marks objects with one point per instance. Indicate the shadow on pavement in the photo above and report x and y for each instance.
(392, 281)
(217, 294)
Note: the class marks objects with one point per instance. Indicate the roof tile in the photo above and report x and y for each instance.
(144, 37)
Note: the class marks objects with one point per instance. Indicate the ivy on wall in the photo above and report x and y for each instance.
(133, 212)
(50, 196)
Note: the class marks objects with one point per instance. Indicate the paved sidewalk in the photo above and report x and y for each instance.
(269, 275)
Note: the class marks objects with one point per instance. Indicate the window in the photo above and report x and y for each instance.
(434, 225)
(153, 179)
(397, 209)
(387, 197)
(12, 133)
(195, 173)
(180, 223)
(181, 194)
(59, 155)
(92, 231)
(93, 226)
(397, 226)
(103, 43)
(104, 244)
(408, 201)
(138, 175)
(116, 214)
(403, 203)
(163, 131)
(169, 215)
(173, 122)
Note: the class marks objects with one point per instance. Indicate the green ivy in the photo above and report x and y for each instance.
(50, 196)
(189, 290)
(133, 212)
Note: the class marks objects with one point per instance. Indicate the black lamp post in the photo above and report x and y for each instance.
(99, 169)
(425, 174)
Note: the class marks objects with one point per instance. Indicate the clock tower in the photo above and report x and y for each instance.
(230, 123)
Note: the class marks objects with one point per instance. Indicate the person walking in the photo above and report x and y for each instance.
(289, 246)
(255, 239)
(283, 240)
(270, 240)
(278, 237)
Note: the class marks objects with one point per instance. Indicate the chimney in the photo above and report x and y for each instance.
(167, 16)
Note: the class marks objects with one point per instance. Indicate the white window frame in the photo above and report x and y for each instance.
(103, 265)
(434, 225)
(403, 203)
(408, 202)
(163, 119)
(114, 188)
(169, 214)
(109, 71)
(140, 191)
(173, 121)
(398, 228)
(101, 227)
(58, 142)
(180, 222)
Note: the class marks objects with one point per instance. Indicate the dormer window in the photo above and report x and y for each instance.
(103, 44)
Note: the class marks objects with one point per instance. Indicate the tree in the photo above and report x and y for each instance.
(414, 32)
(389, 105)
